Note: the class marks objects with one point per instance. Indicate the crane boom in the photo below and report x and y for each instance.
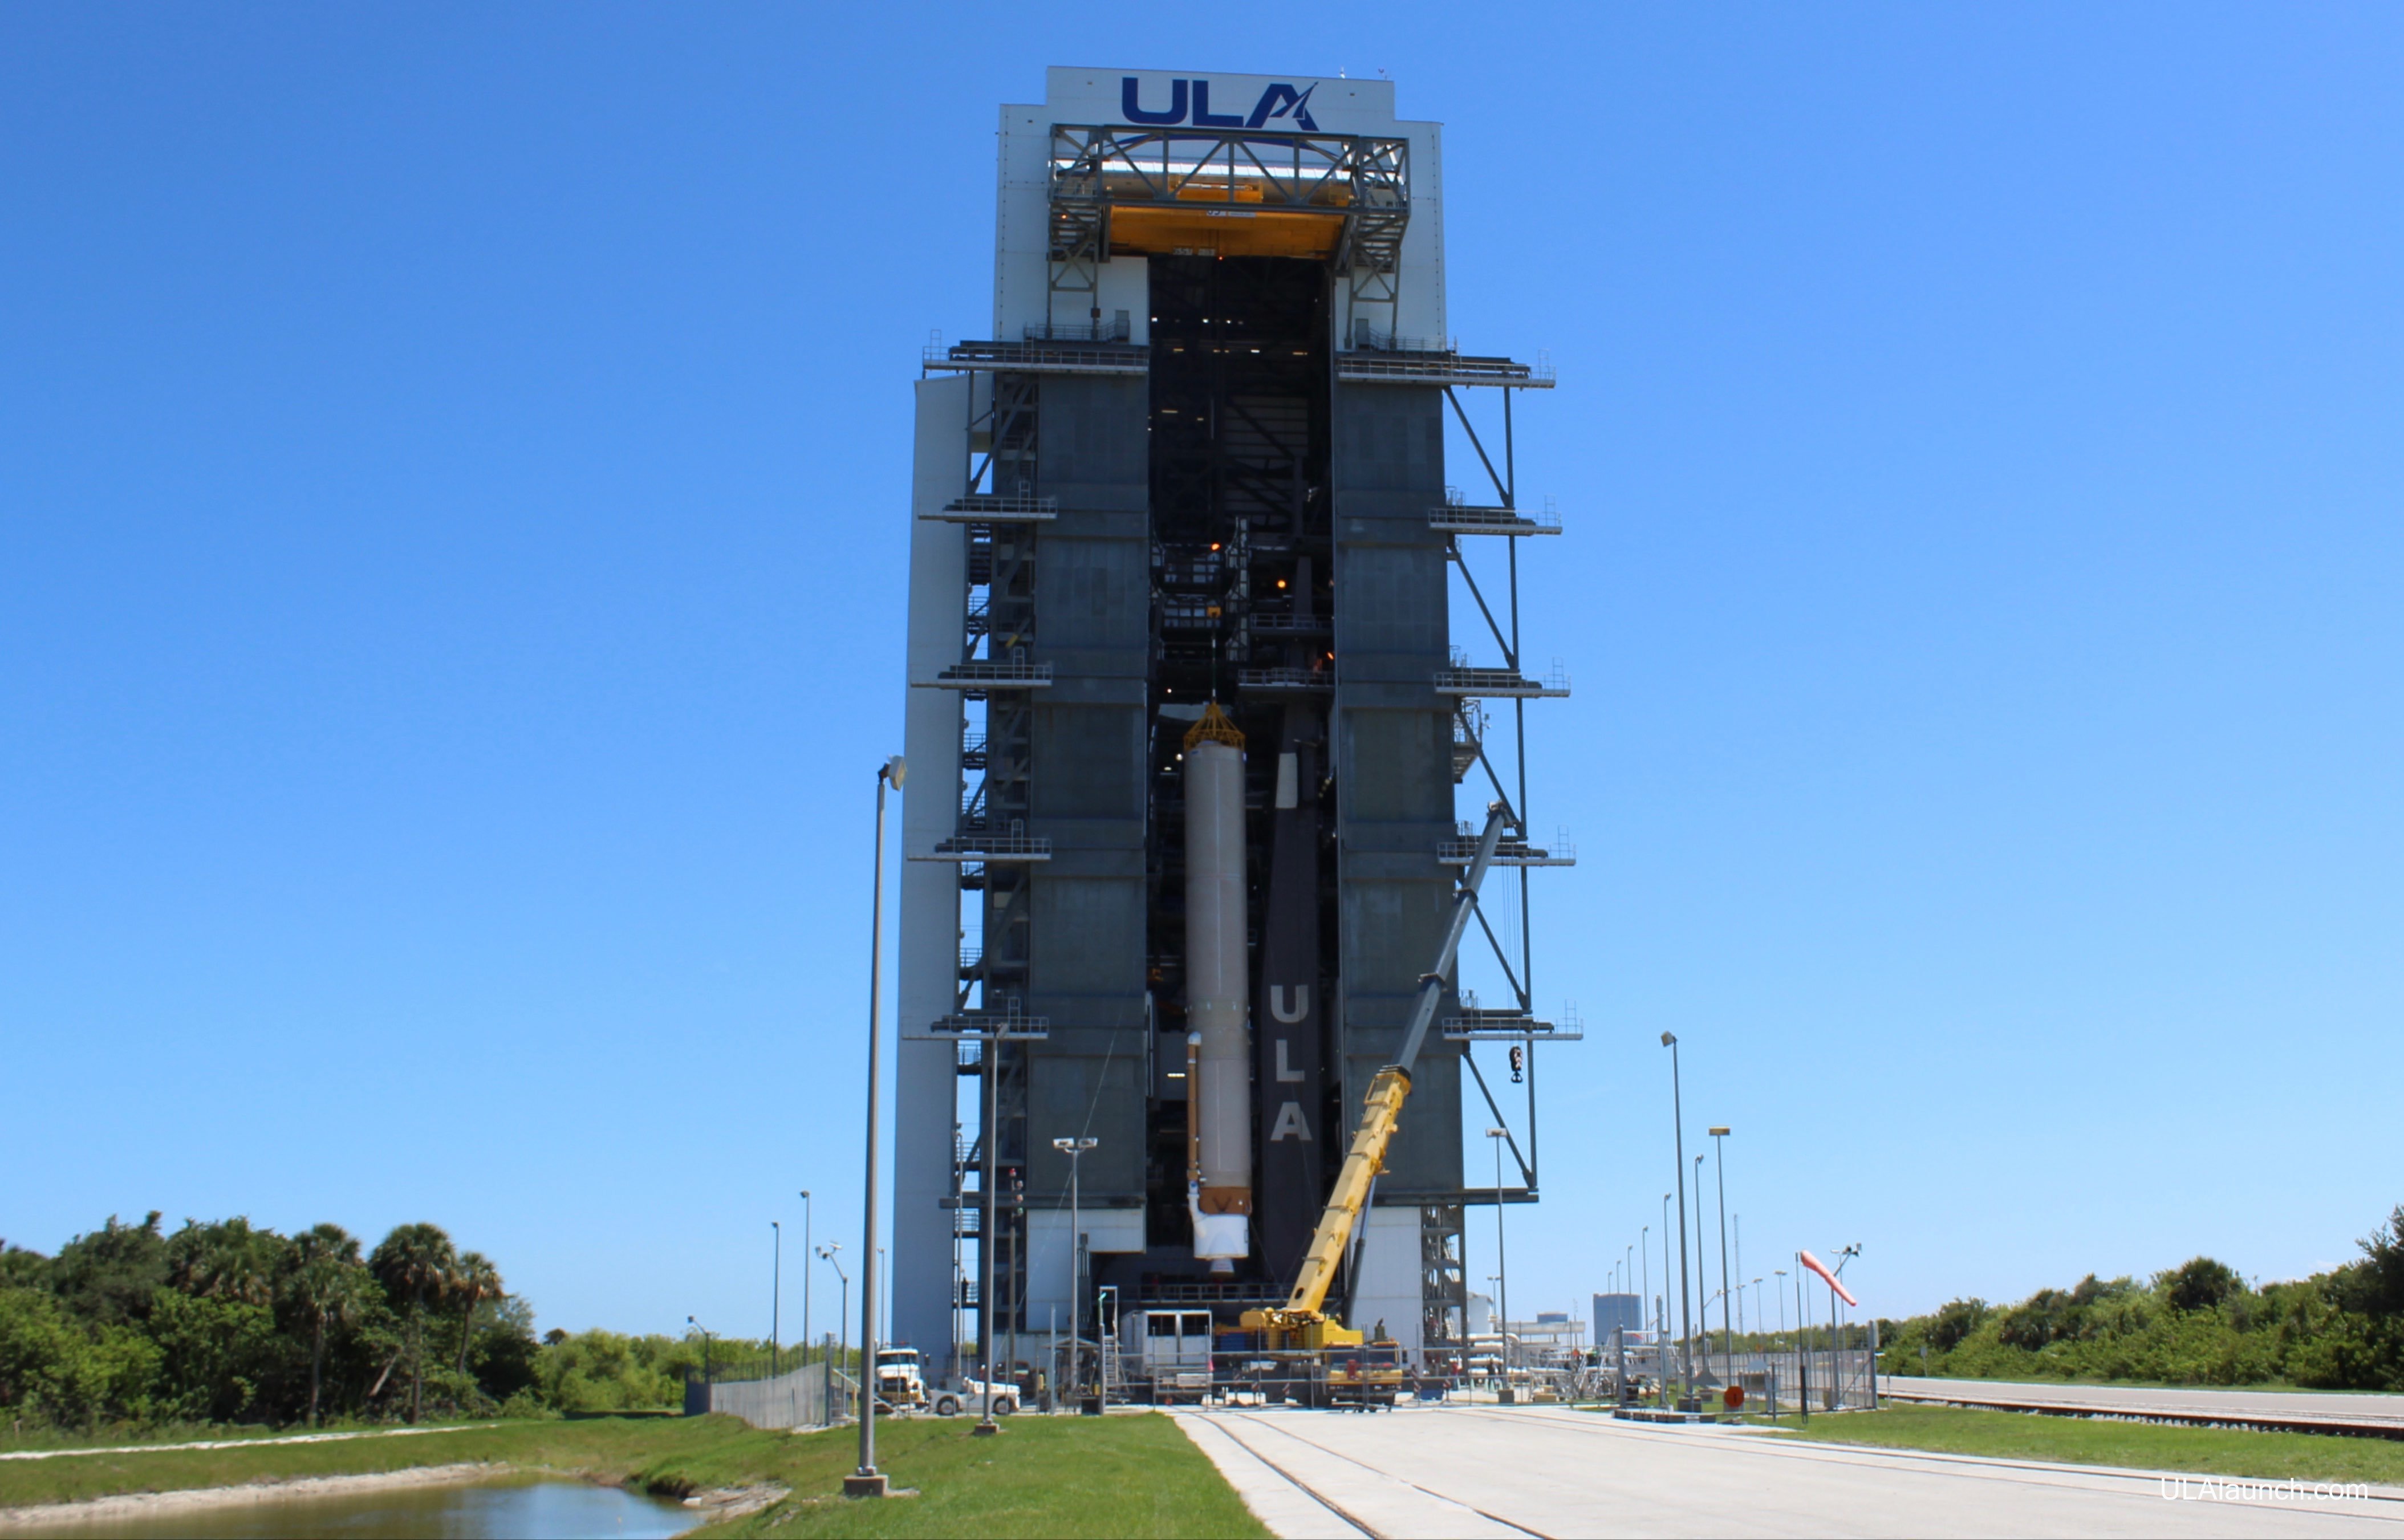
(1381, 1115)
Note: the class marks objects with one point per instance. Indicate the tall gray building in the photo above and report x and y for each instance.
(1187, 724)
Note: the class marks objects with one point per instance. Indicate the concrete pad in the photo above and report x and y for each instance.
(1495, 1470)
(1284, 1504)
(2348, 1407)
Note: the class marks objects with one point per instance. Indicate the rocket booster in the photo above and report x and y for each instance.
(1217, 991)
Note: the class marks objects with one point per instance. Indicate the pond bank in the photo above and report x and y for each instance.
(153, 1505)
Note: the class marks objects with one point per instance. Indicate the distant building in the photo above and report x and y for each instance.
(1616, 1312)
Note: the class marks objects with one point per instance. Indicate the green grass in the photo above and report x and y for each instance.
(1065, 1477)
(1073, 1477)
(2091, 1441)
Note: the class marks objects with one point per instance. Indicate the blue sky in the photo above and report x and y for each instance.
(453, 467)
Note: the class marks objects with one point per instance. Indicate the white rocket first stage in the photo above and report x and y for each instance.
(1218, 986)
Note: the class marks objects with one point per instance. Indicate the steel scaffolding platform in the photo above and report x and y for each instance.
(986, 507)
(981, 674)
(985, 849)
(1369, 366)
(1501, 684)
(1507, 852)
(1036, 358)
(1300, 681)
(1475, 1026)
(1461, 519)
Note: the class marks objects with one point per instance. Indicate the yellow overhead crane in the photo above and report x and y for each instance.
(1300, 1324)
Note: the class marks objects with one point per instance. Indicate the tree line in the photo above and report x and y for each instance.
(226, 1322)
(2198, 1324)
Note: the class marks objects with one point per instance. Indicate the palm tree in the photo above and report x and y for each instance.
(330, 1287)
(413, 1261)
(226, 1260)
(477, 1279)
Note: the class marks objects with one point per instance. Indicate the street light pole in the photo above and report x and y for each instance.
(1703, 1268)
(1661, 1309)
(1736, 1222)
(1502, 1267)
(1644, 1281)
(842, 1321)
(1075, 1149)
(1685, 1307)
(705, 1347)
(775, 1297)
(806, 1274)
(989, 1226)
(1727, 1279)
(868, 1481)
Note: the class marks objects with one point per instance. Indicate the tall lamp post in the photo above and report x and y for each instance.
(1703, 1268)
(868, 1481)
(842, 1321)
(1501, 1266)
(989, 1226)
(1736, 1223)
(1727, 1279)
(775, 1296)
(1661, 1309)
(1075, 1149)
(806, 1274)
(1644, 1281)
(705, 1347)
(1685, 1306)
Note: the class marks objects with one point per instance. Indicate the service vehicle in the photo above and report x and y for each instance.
(900, 1378)
(964, 1393)
(1167, 1353)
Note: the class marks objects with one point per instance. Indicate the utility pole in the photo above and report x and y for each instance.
(775, 1296)
(1702, 1272)
(1685, 1303)
(1075, 1149)
(806, 1274)
(992, 1224)
(868, 1481)
(1502, 1267)
(842, 1320)
(1661, 1313)
(1727, 1279)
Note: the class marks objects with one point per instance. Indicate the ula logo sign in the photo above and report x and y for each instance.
(1280, 101)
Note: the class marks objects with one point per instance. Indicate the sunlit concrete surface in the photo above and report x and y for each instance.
(1546, 1471)
(2334, 1406)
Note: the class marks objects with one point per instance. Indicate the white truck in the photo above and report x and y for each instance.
(965, 1395)
(900, 1378)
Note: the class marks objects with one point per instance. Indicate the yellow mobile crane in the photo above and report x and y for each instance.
(1299, 1323)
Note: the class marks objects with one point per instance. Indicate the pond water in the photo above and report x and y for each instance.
(522, 1508)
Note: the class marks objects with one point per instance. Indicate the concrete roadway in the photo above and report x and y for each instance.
(1500, 1471)
(2334, 1406)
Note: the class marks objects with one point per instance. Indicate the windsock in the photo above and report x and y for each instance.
(1822, 1268)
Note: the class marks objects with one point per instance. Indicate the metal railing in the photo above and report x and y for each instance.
(1363, 367)
(1117, 330)
(1038, 357)
(1503, 683)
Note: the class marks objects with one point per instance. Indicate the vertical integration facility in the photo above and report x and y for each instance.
(1187, 724)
